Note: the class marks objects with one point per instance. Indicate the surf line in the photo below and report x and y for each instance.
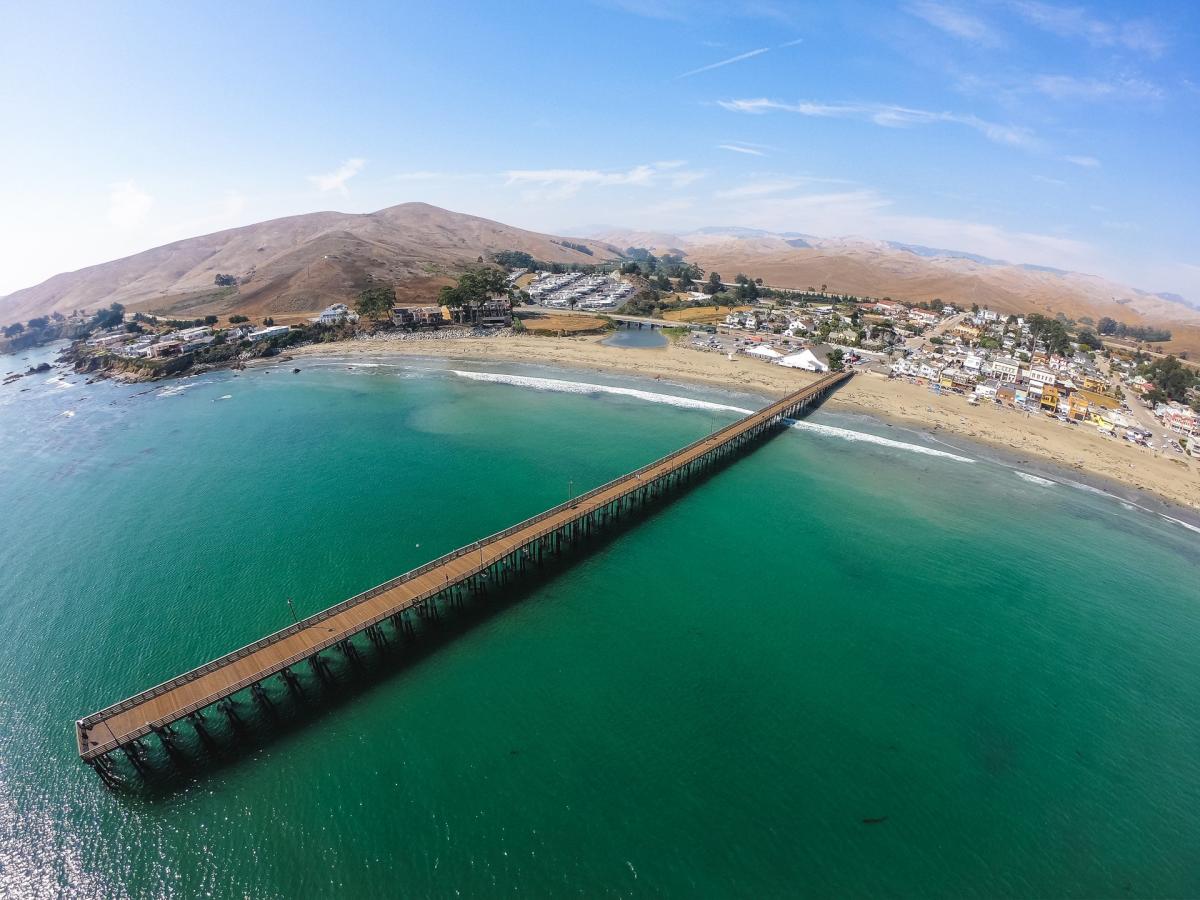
(582, 387)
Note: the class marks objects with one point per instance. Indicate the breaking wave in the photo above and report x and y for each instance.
(176, 389)
(1129, 504)
(1033, 479)
(582, 387)
(863, 437)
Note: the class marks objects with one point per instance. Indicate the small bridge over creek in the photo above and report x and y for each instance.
(495, 559)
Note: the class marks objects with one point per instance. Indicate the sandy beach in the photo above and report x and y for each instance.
(1171, 477)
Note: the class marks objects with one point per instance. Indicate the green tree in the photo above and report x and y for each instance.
(713, 286)
(1171, 377)
(474, 286)
(210, 320)
(107, 318)
(835, 360)
(376, 302)
(238, 319)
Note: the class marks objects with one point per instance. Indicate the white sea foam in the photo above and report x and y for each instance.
(175, 390)
(1033, 479)
(580, 387)
(863, 437)
(1188, 525)
(1129, 504)
(224, 397)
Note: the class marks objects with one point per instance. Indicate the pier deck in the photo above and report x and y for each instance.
(157, 708)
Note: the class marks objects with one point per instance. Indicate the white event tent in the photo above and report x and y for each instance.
(765, 352)
(804, 359)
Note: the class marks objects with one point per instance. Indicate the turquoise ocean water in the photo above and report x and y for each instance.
(838, 667)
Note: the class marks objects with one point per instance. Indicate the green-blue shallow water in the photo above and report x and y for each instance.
(829, 631)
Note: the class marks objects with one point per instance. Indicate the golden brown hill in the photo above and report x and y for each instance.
(298, 264)
(883, 269)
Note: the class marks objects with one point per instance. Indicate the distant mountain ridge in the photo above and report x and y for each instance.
(916, 272)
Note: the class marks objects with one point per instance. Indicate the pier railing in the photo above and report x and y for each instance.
(716, 438)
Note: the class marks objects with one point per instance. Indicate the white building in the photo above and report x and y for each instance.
(1006, 369)
(339, 312)
(1042, 375)
(264, 334)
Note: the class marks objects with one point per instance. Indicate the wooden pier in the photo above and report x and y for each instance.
(493, 560)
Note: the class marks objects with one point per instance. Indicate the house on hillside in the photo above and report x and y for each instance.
(418, 316)
(265, 334)
(489, 313)
(338, 312)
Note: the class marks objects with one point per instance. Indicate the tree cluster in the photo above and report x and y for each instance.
(745, 291)
(1051, 332)
(515, 259)
(571, 245)
(107, 318)
(1112, 327)
(474, 286)
(376, 301)
(1171, 378)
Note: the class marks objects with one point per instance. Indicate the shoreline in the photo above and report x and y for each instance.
(1129, 473)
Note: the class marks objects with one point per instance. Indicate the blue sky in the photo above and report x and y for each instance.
(1058, 134)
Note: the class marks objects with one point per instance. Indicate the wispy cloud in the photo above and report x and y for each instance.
(128, 204)
(767, 187)
(741, 148)
(558, 184)
(955, 21)
(337, 179)
(1139, 35)
(1046, 179)
(890, 117)
(1069, 87)
(750, 54)
(1084, 162)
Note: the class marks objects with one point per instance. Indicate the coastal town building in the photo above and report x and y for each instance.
(495, 312)
(336, 314)
(419, 316)
(265, 334)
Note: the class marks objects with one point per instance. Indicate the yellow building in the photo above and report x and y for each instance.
(1078, 407)
(1050, 397)
(1095, 398)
